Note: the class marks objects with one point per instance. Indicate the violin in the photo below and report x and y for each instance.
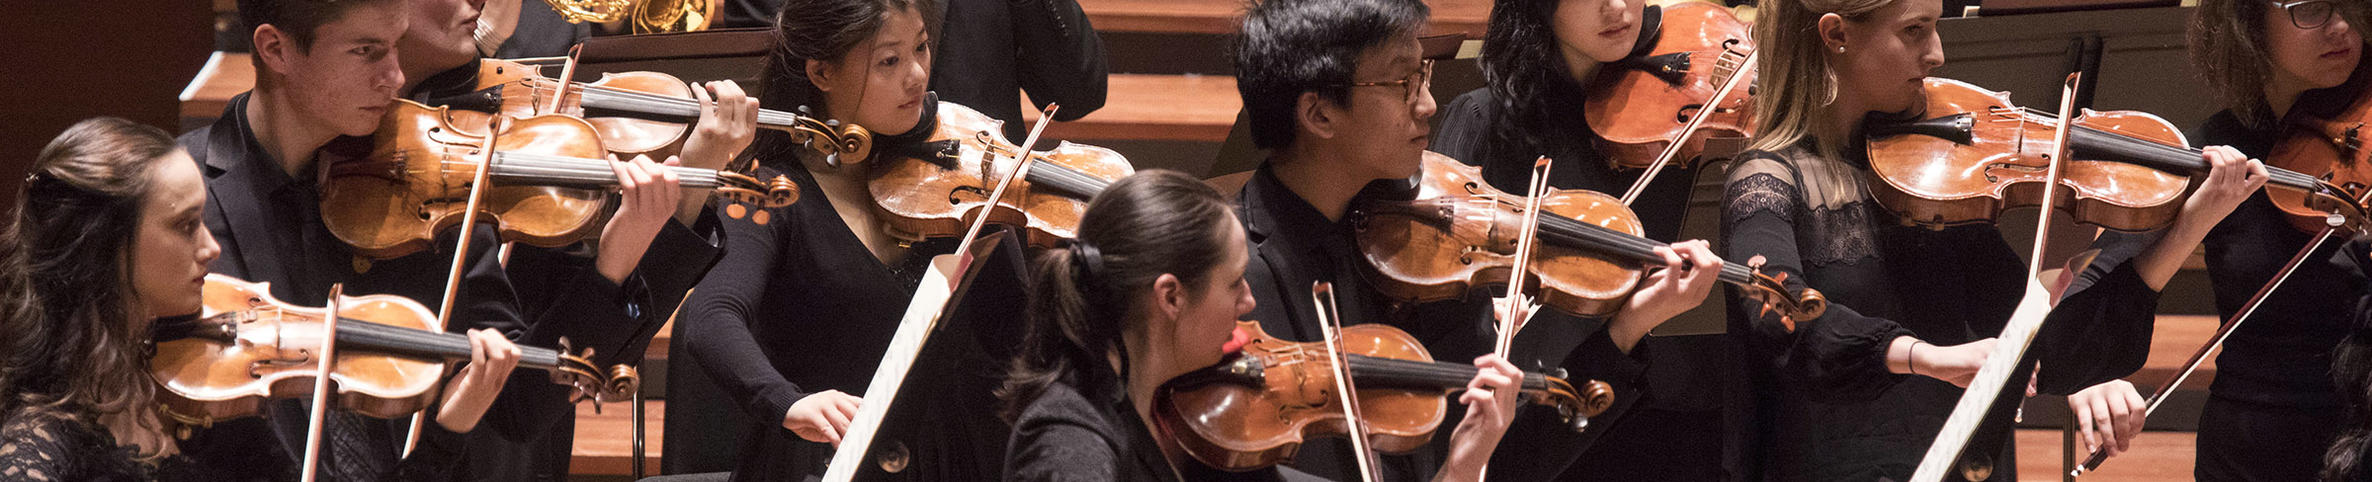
(935, 189)
(1975, 153)
(635, 113)
(2334, 147)
(1649, 100)
(1254, 409)
(248, 347)
(1451, 232)
(547, 183)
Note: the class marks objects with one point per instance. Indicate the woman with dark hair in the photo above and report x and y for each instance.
(106, 241)
(2273, 409)
(792, 322)
(1860, 392)
(1538, 57)
(1151, 290)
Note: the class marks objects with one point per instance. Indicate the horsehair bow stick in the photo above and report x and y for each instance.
(1330, 325)
(469, 223)
(1694, 122)
(2018, 333)
(1518, 309)
(2222, 333)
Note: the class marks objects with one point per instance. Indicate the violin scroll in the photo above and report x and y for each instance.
(836, 140)
(743, 190)
(1771, 290)
(1575, 405)
(590, 382)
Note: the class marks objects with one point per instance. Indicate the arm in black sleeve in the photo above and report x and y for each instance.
(2101, 328)
(1842, 354)
(1061, 58)
(1540, 444)
(718, 315)
(439, 453)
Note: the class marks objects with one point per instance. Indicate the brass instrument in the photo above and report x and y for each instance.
(649, 16)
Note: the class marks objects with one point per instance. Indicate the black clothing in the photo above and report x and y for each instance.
(44, 445)
(1472, 132)
(675, 261)
(1066, 435)
(798, 306)
(1293, 245)
(998, 49)
(269, 226)
(2274, 374)
(1826, 408)
(542, 32)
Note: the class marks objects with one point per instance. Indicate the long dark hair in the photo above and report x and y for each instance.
(1155, 222)
(65, 275)
(2351, 372)
(1527, 75)
(2227, 46)
(821, 30)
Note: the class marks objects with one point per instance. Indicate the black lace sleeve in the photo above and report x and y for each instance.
(1842, 354)
(38, 445)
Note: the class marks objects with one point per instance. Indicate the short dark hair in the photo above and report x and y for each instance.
(1289, 47)
(300, 18)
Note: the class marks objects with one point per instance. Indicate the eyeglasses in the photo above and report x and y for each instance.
(1414, 84)
(2308, 14)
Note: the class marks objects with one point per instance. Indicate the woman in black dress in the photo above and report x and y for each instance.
(1860, 392)
(1149, 291)
(793, 320)
(2272, 410)
(106, 242)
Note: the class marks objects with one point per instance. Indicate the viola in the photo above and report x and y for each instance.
(248, 347)
(1646, 102)
(1975, 153)
(635, 113)
(547, 183)
(1255, 409)
(1451, 232)
(935, 189)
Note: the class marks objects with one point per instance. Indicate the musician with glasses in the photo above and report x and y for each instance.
(1338, 92)
(2273, 409)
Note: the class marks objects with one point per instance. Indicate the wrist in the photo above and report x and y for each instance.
(1899, 355)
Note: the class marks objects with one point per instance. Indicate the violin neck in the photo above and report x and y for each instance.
(1376, 372)
(607, 102)
(2094, 144)
(1065, 179)
(373, 337)
(539, 169)
(1564, 231)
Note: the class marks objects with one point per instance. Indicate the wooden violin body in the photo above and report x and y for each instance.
(1976, 154)
(634, 113)
(417, 179)
(1255, 409)
(1454, 233)
(1639, 109)
(548, 184)
(938, 192)
(2333, 150)
(1457, 233)
(248, 347)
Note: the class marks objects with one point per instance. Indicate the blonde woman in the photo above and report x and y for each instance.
(1860, 392)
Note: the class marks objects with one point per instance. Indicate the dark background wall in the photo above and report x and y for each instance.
(63, 61)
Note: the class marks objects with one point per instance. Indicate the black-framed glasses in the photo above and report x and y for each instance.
(1413, 85)
(2308, 14)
